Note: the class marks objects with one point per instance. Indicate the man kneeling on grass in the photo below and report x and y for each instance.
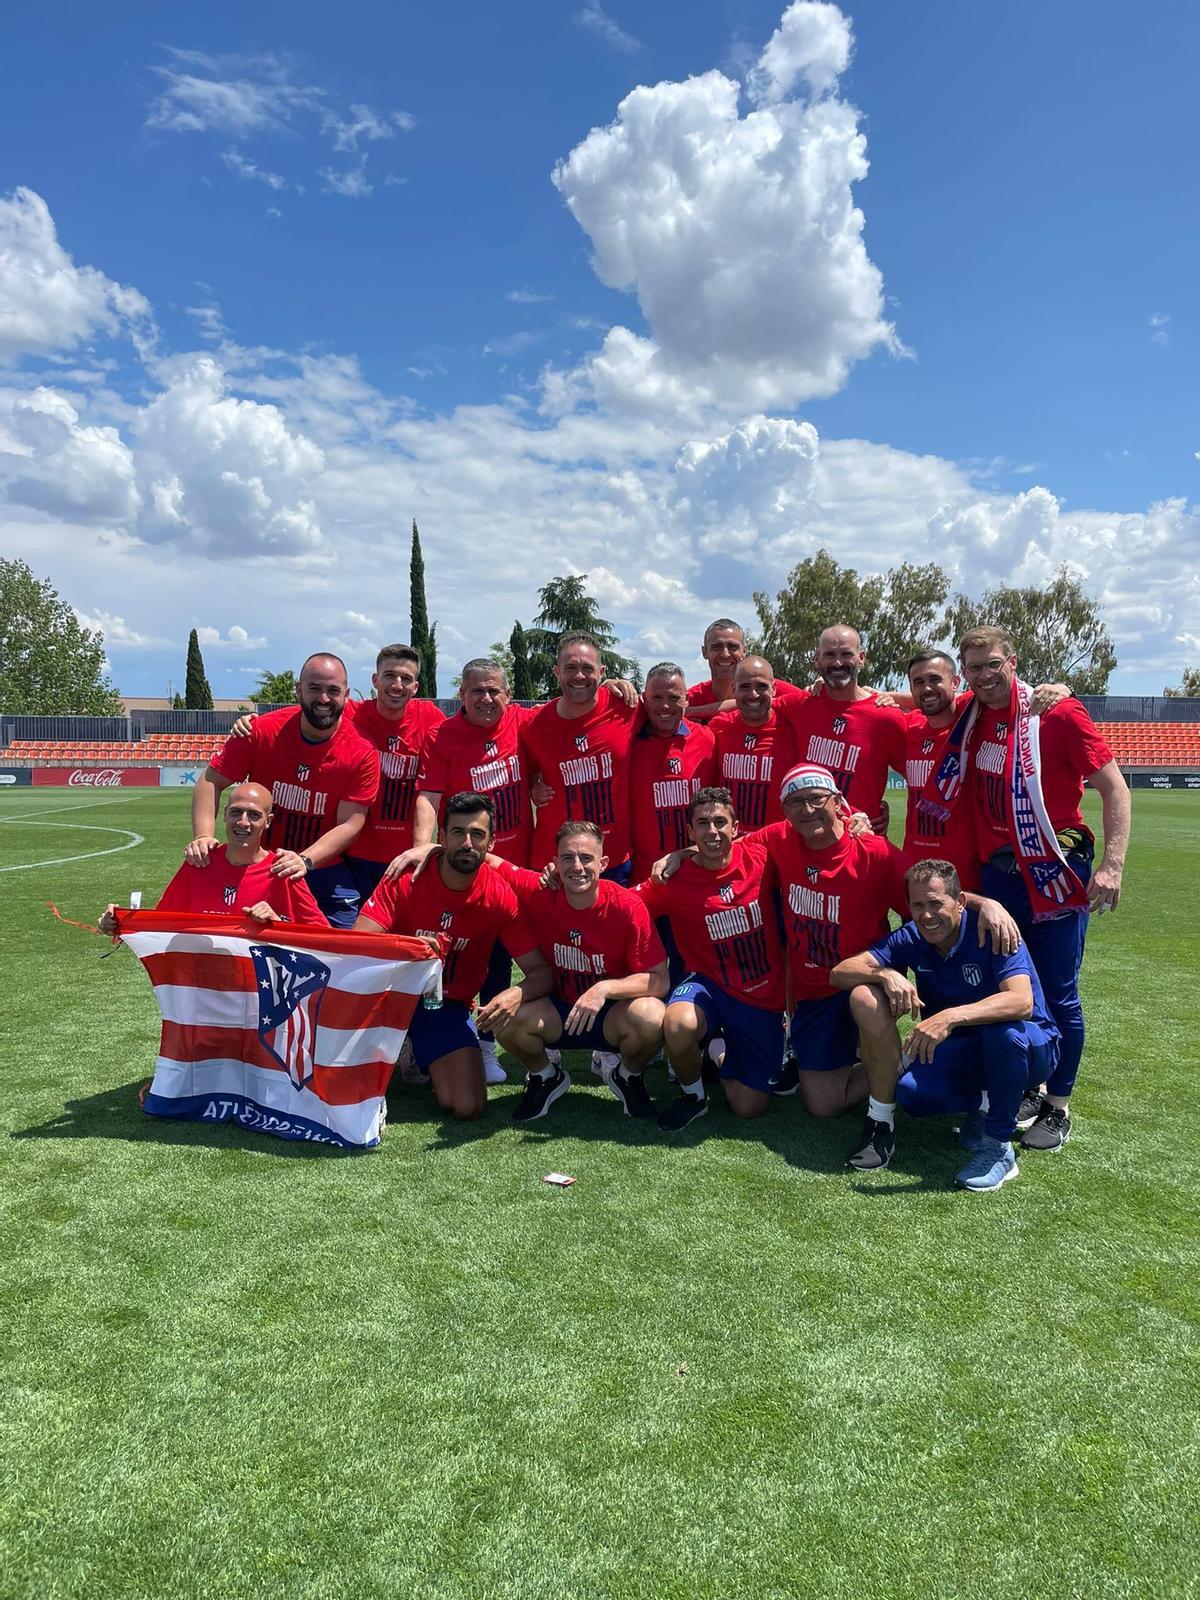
(986, 1027)
(610, 977)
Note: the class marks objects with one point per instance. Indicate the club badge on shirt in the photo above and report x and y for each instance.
(725, 893)
(230, 894)
(302, 773)
(393, 742)
(490, 747)
(813, 873)
(750, 740)
(674, 765)
(446, 919)
(575, 935)
(581, 742)
(973, 976)
(839, 724)
(927, 747)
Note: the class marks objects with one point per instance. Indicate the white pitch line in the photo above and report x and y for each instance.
(83, 827)
(85, 805)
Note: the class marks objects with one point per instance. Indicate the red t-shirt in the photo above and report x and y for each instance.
(472, 919)
(224, 888)
(751, 762)
(307, 780)
(856, 739)
(611, 939)
(1071, 750)
(725, 924)
(835, 901)
(664, 774)
(585, 760)
(704, 694)
(389, 826)
(487, 761)
(927, 836)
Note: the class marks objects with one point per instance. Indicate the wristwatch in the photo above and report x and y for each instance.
(307, 860)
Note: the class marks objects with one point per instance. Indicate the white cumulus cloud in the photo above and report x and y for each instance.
(54, 463)
(811, 45)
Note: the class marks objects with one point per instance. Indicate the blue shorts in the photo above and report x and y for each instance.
(435, 1033)
(335, 891)
(620, 874)
(365, 875)
(753, 1037)
(824, 1035)
(591, 1038)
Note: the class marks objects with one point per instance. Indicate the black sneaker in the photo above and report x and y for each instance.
(630, 1090)
(1051, 1130)
(875, 1147)
(686, 1109)
(788, 1080)
(540, 1094)
(1031, 1107)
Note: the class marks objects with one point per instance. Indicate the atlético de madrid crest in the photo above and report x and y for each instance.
(813, 873)
(972, 975)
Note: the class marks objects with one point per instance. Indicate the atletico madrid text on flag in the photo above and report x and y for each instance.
(284, 1030)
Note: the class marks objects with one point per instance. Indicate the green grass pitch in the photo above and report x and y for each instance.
(717, 1367)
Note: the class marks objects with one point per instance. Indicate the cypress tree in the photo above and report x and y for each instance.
(522, 685)
(421, 636)
(196, 694)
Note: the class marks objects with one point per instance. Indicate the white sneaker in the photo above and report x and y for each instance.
(605, 1062)
(493, 1072)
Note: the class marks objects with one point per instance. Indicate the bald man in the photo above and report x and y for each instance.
(239, 875)
(321, 775)
(843, 728)
(753, 745)
(723, 649)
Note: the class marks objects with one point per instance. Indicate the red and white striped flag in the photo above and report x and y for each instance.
(284, 1030)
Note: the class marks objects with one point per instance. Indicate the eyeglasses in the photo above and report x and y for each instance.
(810, 802)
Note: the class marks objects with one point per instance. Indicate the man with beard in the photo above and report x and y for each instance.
(1025, 775)
(724, 649)
(845, 730)
(321, 775)
(754, 744)
(461, 899)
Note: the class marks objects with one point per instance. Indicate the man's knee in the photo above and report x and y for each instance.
(822, 1098)
(870, 1010)
(683, 1025)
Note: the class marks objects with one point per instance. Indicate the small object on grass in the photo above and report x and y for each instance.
(135, 900)
(559, 1179)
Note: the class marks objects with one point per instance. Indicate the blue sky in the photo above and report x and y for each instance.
(355, 294)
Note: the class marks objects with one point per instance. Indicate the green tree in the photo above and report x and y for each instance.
(50, 664)
(1189, 686)
(178, 703)
(1057, 631)
(566, 607)
(895, 613)
(275, 688)
(521, 680)
(422, 637)
(197, 696)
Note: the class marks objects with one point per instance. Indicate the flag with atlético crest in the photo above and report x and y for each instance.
(284, 1030)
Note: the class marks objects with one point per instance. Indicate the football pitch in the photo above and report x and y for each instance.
(719, 1366)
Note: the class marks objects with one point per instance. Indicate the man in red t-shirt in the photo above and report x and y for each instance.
(671, 759)
(843, 728)
(239, 873)
(321, 776)
(610, 976)
(934, 830)
(753, 745)
(724, 648)
(836, 891)
(463, 901)
(397, 724)
(1071, 751)
(577, 747)
(730, 1004)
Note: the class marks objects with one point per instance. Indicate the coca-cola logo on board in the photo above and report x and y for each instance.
(101, 778)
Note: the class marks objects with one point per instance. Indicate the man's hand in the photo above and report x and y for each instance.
(541, 794)
(927, 1035)
(667, 866)
(879, 824)
(549, 878)
(197, 853)
(900, 994)
(1047, 695)
(858, 823)
(413, 860)
(261, 912)
(107, 922)
(241, 728)
(586, 1009)
(623, 689)
(886, 698)
(1104, 890)
(288, 864)
(998, 928)
(499, 1012)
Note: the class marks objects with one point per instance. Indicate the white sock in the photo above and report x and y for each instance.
(547, 1071)
(696, 1090)
(984, 1104)
(881, 1110)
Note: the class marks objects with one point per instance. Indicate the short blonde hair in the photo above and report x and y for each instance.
(984, 639)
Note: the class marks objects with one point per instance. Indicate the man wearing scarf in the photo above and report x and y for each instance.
(1026, 775)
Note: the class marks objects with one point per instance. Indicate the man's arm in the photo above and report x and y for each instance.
(350, 819)
(1116, 814)
(535, 985)
(425, 815)
(1013, 1002)
(205, 797)
(995, 924)
(867, 968)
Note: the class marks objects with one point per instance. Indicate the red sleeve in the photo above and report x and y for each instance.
(177, 895)
(788, 691)
(366, 779)
(301, 908)
(645, 947)
(898, 743)
(520, 880)
(381, 904)
(653, 897)
(519, 939)
(896, 890)
(1083, 746)
(234, 757)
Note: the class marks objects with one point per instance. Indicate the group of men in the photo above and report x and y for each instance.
(702, 871)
